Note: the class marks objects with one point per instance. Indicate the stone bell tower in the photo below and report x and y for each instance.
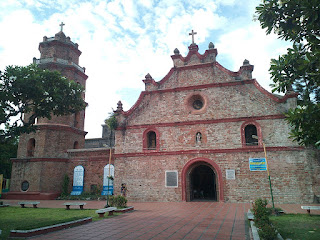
(42, 158)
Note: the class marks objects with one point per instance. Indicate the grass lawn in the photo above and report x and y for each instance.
(16, 218)
(298, 226)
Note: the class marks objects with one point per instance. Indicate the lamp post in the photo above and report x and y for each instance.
(265, 154)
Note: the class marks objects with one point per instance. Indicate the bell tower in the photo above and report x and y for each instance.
(38, 170)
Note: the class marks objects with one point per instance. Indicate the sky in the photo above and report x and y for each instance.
(123, 40)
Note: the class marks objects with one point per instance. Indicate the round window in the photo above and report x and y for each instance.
(197, 104)
(24, 186)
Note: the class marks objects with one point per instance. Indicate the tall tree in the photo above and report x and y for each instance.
(37, 92)
(8, 150)
(299, 22)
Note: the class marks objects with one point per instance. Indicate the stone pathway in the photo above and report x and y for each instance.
(174, 220)
(195, 220)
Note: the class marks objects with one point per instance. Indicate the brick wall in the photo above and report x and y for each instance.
(93, 161)
(291, 174)
(230, 101)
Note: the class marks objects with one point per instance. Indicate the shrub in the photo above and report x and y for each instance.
(261, 220)
(268, 232)
(112, 122)
(96, 189)
(118, 201)
(261, 212)
(65, 185)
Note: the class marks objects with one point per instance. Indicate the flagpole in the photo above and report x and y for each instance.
(265, 154)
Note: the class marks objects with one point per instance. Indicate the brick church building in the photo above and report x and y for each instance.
(194, 135)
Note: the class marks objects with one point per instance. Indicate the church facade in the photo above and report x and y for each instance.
(197, 134)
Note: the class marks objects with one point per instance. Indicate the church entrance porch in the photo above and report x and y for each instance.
(201, 181)
(202, 184)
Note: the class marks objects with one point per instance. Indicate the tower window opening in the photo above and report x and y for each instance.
(250, 131)
(76, 145)
(31, 147)
(152, 140)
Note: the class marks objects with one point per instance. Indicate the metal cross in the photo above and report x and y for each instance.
(192, 33)
(61, 25)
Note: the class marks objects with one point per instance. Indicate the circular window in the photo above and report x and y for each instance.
(197, 104)
(24, 186)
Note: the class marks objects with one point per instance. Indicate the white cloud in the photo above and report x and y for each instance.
(252, 44)
(18, 31)
(121, 41)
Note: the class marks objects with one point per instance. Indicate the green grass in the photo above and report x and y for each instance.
(298, 226)
(16, 218)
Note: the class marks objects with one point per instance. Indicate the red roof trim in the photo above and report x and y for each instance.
(60, 127)
(163, 80)
(231, 73)
(270, 95)
(195, 51)
(143, 93)
(209, 151)
(39, 159)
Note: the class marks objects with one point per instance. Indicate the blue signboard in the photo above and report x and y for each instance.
(107, 190)
(257, 164)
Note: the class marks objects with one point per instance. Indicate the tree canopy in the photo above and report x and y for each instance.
(37, 92)
(299, 22)
(8, 151)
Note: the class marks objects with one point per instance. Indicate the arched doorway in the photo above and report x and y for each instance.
(202, 184)
(202, 173)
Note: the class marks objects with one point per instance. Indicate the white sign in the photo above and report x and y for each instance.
(106, 173)
(230, 174)
(78, 174)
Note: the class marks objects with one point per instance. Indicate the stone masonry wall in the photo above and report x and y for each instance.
(290, 174)
(93, 161)
(50, 143)
(221, 135)
(43, 176)
(221, 102)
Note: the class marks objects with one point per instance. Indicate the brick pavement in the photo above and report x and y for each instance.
(170, 220)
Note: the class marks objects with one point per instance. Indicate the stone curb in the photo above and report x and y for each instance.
(43, 230)
(128, 209)
(254, 230)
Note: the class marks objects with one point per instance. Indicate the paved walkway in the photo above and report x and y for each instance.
(177, 220)
(182, 220)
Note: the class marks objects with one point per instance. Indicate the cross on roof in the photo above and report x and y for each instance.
(61, 25)
(192, 33)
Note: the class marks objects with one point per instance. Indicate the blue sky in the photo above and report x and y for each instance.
(123, 40)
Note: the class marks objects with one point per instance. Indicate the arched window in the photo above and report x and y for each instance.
(251, 135)
(152, 140)
(76, 145)
(30, 147)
